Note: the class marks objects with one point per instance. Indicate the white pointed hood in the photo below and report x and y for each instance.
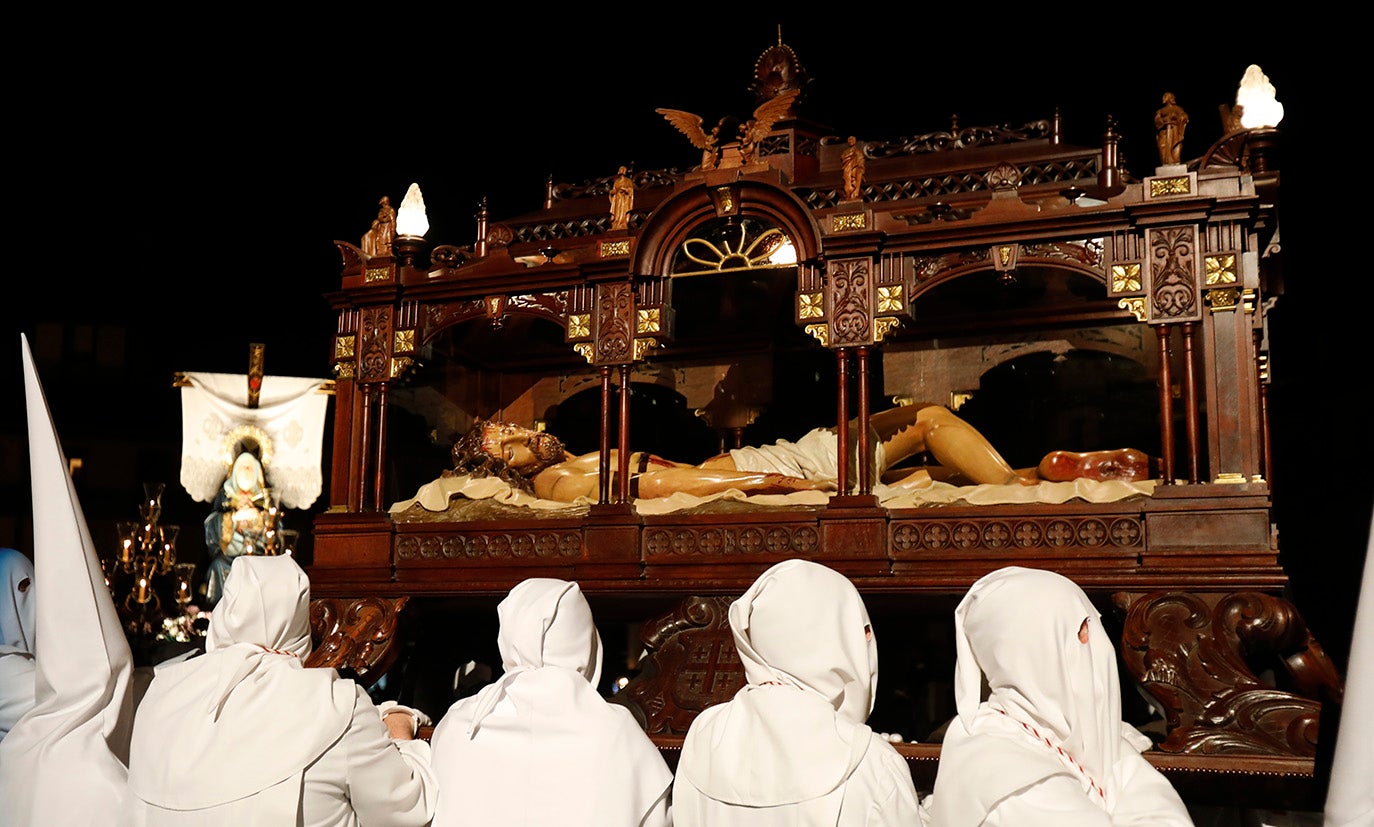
(79, 726)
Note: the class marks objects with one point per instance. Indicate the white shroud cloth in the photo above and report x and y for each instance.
(541, 746)
(244, 735)
(83, 707)
(792, 748)
(1048, 747)
(290, 412)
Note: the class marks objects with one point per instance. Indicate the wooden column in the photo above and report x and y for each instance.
(622, 493)
(1190, 403)
(1166, 405)
(842, 420)
(864, 447)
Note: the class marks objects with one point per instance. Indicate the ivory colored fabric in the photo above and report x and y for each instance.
(83, 705)
(244, 734)
(1048, 747)
(792, 748)
(1350, 799)
(291, 412)
(541, 746)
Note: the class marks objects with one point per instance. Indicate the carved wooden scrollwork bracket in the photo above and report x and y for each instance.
(1196, 654)
(357, 636)
(691, 663)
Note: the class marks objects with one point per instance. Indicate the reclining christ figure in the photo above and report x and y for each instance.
(537, 462)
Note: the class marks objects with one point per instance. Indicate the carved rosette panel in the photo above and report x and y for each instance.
(1172, 275)
(355, 634)
(374, 345)
(728, 541)
(491, 545)
(1191, 652)
(851, 298)
(691, 664)
(614, 319)
(1019, 534)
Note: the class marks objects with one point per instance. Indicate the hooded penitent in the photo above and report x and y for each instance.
(1054, 710)
(247, 706)
(16, 637)
(541, 745)
(83, 706)
(787, 748)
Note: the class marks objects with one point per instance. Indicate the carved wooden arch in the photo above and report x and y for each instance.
(551, 307)
(677, 218)
(1084, 256)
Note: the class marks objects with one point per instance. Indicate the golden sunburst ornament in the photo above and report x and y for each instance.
(233, 441)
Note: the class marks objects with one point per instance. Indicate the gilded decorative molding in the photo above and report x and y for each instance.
(648, 320)
(849, 221)
(344, 370)
(819, 332)
(579, 325)
(1126, 278)
(883, 326)
(495, 307)
(644, 345)
(1135, 305)
(810, 306)
(1223, 299)
(585, 350)
(375, 274)
(1172, 185)
(399, 365)
(403, 341)
(1220, 269)
(343, 347)
(614, 249)
(1003, 257)
(890, 299)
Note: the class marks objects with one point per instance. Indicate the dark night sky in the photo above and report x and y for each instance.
(194, 183)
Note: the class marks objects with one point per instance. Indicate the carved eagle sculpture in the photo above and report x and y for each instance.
(747, 135)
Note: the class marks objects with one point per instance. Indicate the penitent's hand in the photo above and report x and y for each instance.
(400, 725)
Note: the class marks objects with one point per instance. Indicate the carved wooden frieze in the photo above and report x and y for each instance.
(491, 545)
(1193, 654)
(374, 344)
(355, 634)
(850, 286)
(690, 664)
(1019, 534)
(1171, 272)
(614, 324)
(730, 540)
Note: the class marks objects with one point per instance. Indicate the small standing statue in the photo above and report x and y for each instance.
(244, 521)
(377, 241)
(622, 200)
(1170, 121)
(854, 163)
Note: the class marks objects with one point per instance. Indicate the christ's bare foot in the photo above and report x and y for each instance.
(1125, 464)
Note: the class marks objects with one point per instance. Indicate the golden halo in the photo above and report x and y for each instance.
(233, 442)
